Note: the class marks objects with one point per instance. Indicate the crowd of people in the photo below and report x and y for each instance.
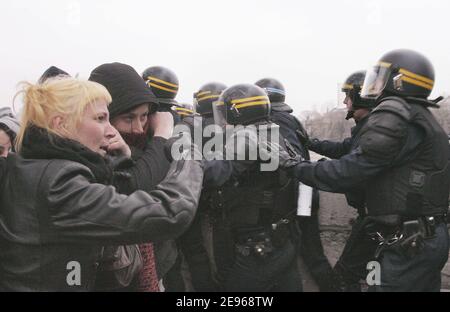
(93, 196)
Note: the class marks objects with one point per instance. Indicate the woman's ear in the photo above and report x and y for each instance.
(57, 123)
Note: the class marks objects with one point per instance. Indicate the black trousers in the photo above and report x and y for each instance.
(311, 249)
(358, 251)
(276, 271)
(193, 247)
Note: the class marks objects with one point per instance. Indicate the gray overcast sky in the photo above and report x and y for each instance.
(310, 46)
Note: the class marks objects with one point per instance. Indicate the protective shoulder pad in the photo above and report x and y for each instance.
(386, 130)
(396, 106)
(281, 107)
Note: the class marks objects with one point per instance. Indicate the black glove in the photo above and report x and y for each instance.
(286, 160)
(303, 138)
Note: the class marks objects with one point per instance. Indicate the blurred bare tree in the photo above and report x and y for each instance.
(443, 114)
(330, 125)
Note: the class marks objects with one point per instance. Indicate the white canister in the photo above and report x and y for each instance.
(304, 203)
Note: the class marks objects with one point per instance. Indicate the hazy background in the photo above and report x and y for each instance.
(310, 46)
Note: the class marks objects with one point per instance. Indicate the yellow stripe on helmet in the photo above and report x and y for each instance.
(202, 93)
(184, 109)
(347, 86)
(259, 97)
(184, 114)
(163, 82)
(255, 103)
(416, 76)
(162, 88)
(214, 96)
(411, 77)
(417, 83)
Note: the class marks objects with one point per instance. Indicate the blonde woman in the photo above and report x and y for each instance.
(57, 208)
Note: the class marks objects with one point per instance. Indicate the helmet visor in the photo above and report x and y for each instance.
(220, 114)
(375, 81)
(195, 103)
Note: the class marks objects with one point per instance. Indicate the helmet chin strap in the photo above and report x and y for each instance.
(350, 114)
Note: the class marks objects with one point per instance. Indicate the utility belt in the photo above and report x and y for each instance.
(407, 237)
(262, 241)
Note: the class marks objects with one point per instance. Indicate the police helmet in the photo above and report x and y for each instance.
(241, 104)
(206, 95)
(274, 88)
(163, 82)
(404, 73)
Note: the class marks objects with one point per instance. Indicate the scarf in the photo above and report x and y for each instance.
(38, 143)
(148, 277)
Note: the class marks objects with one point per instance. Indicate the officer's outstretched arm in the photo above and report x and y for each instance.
(387, 139)
(337, 175)
(330, 149)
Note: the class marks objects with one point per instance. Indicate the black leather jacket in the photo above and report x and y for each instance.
(52, 216)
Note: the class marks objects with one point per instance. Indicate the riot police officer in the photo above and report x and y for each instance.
(403, 162)
(193, 243)
(184, 110)
(293, 131)
(164, 84)
(206, 95)
(359, 249)
(203, 104)
(254, 231)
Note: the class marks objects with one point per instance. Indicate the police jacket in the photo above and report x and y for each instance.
(54, 218)
(336, 150)
(290, 127)
(403, 161)
(248, 195)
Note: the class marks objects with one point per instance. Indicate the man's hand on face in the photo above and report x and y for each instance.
(117, 146)
(162, 124)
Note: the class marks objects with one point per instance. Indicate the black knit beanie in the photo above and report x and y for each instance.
(128, 90)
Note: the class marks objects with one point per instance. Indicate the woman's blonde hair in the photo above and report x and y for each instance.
(65, 97)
